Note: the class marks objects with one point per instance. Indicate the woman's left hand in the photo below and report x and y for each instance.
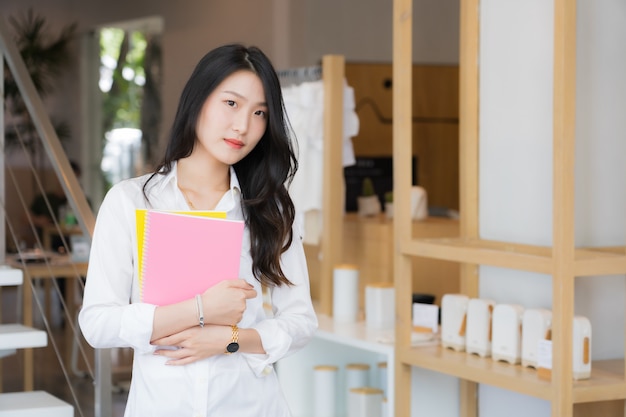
(194, 344)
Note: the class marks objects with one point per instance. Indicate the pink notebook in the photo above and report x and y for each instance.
(183, 255)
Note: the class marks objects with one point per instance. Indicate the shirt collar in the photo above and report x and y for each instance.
(231, 200)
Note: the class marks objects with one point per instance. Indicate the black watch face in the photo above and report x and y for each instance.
(232, 347)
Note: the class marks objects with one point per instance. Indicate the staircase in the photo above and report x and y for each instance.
(12, 338)
(77, 200)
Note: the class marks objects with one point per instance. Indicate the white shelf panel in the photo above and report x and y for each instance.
(7, 352)
(33, 404)
(356, 335)
(10, 276)
(17, 336)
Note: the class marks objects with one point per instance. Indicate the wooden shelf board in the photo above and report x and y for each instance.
(476, 369)
(589, 261)
(600, 261)
(606, 382)
(483, 252)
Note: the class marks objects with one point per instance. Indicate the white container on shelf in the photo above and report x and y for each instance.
(506, 343)
(346, 293)
(380, 305)
(478, 332)
(419, 203)
(383, 377)
(384, 411)
(357, 375)
(365, 402)
(536, 326)
(453, 321)
(325, 390)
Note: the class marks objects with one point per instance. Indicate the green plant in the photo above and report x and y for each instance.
(389, 197)
(45, 57)
(367, 187)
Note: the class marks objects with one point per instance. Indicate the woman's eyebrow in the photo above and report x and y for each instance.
(261, 103)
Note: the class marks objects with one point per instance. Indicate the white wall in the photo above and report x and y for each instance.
(516, 151)
(362, 30)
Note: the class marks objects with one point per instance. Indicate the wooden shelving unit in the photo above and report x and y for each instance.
(563, 261)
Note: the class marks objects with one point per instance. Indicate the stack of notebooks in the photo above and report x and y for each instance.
(181, 254)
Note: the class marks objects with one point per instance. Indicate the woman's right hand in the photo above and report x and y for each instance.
(225, 302)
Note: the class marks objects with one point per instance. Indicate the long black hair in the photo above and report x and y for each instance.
(265, 173)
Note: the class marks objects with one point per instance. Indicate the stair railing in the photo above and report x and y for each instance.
(68, 180)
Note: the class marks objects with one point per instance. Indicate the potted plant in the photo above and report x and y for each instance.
(46, 57)
(368, 203)
(389, 204)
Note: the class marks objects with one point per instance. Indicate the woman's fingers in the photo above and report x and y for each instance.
(225, 302)
(193, 344)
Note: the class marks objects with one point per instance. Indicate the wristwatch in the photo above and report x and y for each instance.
(233, 346)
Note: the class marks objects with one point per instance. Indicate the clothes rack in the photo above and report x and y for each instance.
(293, 76)
(332, 74)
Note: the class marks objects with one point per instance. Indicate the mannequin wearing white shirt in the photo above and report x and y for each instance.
(229, 151)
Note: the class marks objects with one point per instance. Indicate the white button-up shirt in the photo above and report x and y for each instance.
(112, 315)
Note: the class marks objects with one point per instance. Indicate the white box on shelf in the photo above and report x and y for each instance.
(506, 344)
(478, 333)
(536, 326)
(581, 354)
(426, 316)
(453, 321)
(581, 350)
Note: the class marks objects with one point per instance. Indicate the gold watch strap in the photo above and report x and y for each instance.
(233, 346)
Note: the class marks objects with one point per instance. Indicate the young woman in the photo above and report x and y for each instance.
(229, 150)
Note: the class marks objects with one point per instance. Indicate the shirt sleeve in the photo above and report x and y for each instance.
(294, 321)
(107, 319)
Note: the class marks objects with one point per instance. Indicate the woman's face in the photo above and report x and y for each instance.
(233, 118)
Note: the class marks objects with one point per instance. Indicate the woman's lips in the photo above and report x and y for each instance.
(235, 143)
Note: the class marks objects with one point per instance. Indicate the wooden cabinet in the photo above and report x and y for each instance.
(434, 117)
(562, 261)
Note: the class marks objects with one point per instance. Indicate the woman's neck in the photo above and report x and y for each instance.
(202, 184)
